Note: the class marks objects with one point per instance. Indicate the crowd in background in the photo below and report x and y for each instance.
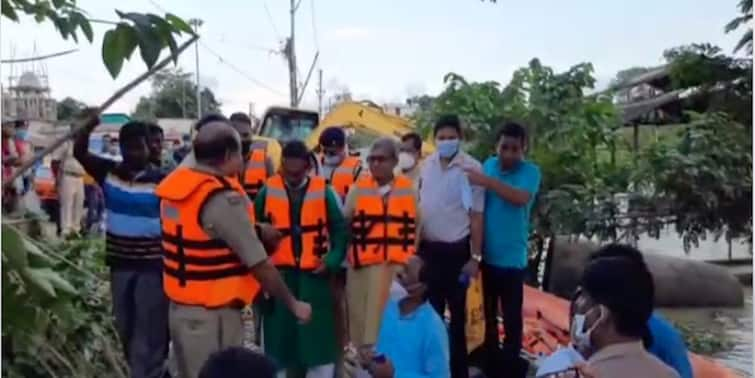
(368, 259)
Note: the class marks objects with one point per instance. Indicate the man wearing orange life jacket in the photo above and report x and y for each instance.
(339, 169)
(307, 212)
(214, 264)
(257, 165)
(384, 216)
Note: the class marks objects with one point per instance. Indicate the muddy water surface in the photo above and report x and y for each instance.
(733, 324)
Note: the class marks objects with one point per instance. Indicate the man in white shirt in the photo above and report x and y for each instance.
(451, 235)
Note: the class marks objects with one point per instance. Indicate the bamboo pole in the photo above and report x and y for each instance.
(80, 124)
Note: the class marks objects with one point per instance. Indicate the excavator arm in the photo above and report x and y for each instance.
(365, 118)
(279, 125)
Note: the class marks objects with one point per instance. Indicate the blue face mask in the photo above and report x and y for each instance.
(22, 134)
(447, 148)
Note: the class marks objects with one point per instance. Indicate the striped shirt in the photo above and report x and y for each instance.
(132, 215)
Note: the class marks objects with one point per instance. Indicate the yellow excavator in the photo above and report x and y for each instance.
(363, 121)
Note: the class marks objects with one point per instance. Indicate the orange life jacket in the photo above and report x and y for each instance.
(383, 229)
(345, 175)
(199, 270)
(255, 172)
(312, 225)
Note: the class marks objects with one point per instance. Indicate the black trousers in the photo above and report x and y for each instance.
(443, 263)
(504, 286)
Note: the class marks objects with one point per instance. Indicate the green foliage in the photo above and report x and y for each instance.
(724, 83)
(68, 19)
(477, 104)
(704, 180)
(149, 32)
(745, 8)
(698, 177)
(56, 309)
(69, 108)
(702, 64)
(173, 96)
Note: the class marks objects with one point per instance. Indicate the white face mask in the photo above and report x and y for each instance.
(581, 337)
(332, 160)
(406, 161)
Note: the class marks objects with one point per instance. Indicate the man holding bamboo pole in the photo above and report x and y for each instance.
(133, 244)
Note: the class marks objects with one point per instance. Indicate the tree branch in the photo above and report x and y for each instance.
(80, 124)
(41, 57)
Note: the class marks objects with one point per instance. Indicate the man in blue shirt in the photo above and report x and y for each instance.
(511, 184)
(668, 345)
(413, 342)
(664, 342)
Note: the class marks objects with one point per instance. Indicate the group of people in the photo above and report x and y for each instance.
(334, 256)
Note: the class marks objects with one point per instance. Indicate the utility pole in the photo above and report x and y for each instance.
(291, 55)
(196, 23)
(319, 93)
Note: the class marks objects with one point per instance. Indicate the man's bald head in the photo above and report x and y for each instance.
(216, 143)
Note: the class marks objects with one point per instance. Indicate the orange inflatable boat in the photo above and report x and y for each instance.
(546, 327)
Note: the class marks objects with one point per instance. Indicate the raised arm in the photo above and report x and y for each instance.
(95, 166)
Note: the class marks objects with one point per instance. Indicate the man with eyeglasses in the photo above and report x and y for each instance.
(382, 209)
(511, 184)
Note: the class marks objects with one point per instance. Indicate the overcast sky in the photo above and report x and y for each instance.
(384, 50)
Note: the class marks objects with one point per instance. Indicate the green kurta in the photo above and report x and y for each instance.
(292, 345)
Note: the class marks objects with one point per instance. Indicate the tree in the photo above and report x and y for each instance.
(56, 319)
(576, 141)
(149, 32)
(423, 102)
(69, 107)
(723, 83)
(745, 7)
(702, 181)
(173, 96)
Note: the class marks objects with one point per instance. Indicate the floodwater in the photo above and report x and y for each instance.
(732, 324)
(671, 245)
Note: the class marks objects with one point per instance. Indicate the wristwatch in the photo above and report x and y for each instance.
(477, 257)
